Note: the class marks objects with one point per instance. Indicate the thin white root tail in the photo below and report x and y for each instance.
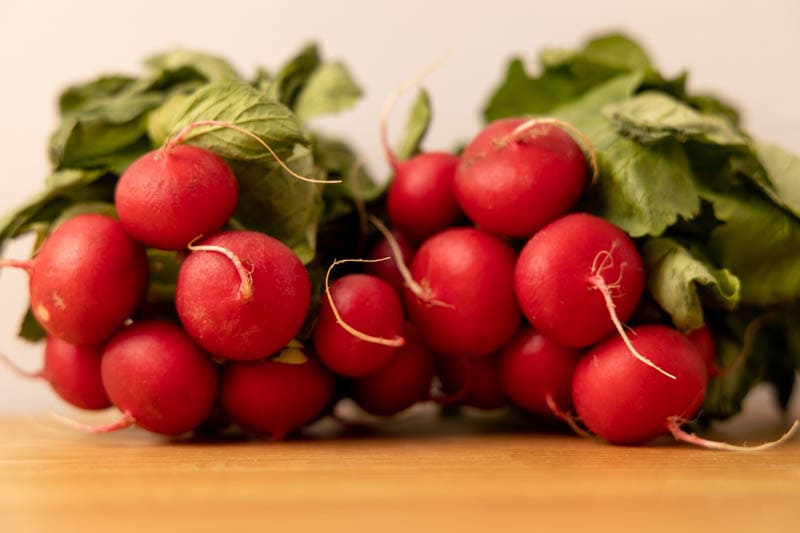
(418, 290)
(534, 123)
(246, 288)
(26, 265)
(124, 422)
(11, 365)
(674, 426)
(391, 102)
(567, 417)
(177, 139)
(603, 261)
(395, 342)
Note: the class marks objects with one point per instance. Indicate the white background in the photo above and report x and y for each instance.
(745, 50)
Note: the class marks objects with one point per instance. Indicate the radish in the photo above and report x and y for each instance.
(242, 295)
(172, 195)
(472, 382)
(703, 340)
(276, 397)
(404, 381)
(536, 373)
(517, 175)
(158, 378)
(464, 303)
(87, 279)
(360, 325)
(388, 271)
(73, 372)
(625, 402)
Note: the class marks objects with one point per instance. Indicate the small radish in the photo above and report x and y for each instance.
(158, 378)
(536, 373)
(569, 271)
(625, 402)
(73, 372)
(472, 382)
(276, 397)
(360, 325)
(87, 279)
(242, 295)
(404, 381)
(518, 174)
(465, 304)
(172, 195)
(388, 270)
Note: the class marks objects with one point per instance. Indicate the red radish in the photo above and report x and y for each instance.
(168, 197)
(469, 308)
(564, 273)
(273, 397)
(371, 312)
(625, 402)
(242, 295)
(703, 340)
(518, 174)
(87, 279)
(73, 372)
(158, 378)
(536, 373)
(175, 194)
(472, 382)
(420, 201)
(400, 384)
(387, 270)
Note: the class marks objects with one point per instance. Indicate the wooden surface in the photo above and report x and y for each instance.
(415, 474)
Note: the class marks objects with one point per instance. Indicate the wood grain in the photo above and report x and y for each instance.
(414, 474)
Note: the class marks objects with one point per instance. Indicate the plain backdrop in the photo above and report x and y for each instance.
(746, 50)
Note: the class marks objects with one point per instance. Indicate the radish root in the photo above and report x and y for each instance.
(124, 422)
(177, 139)
(567, 417)
(395, 342)
(245, 274)
(602, 262)
(27, 265)
(11, 365)
(391, 102)
(532, 124)
(674, 426)
(422, 293)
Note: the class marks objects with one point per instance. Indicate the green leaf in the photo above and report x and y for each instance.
(682, 282)
(164, 267)
(601, 58)
(781, 181)
(84, 96)
(280, 205)
(650, 117)
(642, 189)
(714, 105)
(237, 103)
(759, 243)
(293, 76)
(83, 208)
(30, 329)
(207, 66)
(330, 89)
(417, 123)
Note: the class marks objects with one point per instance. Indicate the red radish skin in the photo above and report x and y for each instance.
(625, 402)
(471, 382)
(159, 378)
(703, 339)
(87, 279)
(369, 305)
(514, 184)
(472, 309)
(556, 279)
(272, 398)
(172, 195)
(533, 368)
(420, 201)
(220, 317)
(400, 384)
(387, 270)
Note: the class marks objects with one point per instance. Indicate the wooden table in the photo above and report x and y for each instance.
(418, 473)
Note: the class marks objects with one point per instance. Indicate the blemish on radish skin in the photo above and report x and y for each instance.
(42, 313)
(58, 301)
